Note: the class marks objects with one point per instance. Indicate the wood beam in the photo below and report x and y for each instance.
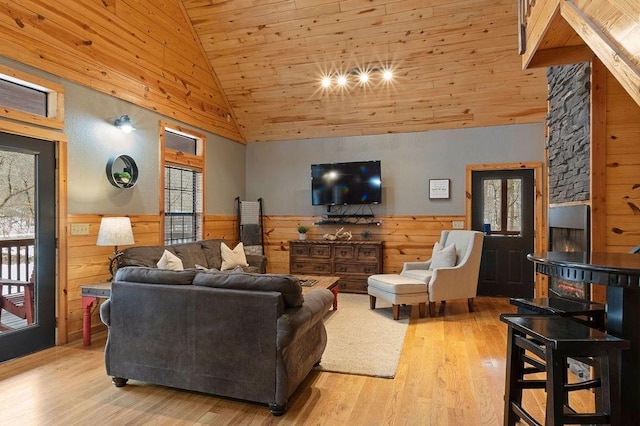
(561, 56)
(625, 71)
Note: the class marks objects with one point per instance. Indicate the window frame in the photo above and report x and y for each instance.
(55, 99)
(173, 158)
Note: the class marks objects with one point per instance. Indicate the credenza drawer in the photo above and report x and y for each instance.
(300, 250)
(321, 251)
(307, 267)
(343, 252)
(367, 253)
(356, 268)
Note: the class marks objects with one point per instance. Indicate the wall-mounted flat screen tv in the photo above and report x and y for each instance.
(358, 182)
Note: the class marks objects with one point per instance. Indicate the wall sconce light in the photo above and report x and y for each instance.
(124, 123)
(359, 76)
(115, 231)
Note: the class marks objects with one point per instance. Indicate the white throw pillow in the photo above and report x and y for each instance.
(443, 257)
(170, 261)
(232, 258)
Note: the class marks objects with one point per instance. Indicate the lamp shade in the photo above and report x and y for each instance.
(115, 231)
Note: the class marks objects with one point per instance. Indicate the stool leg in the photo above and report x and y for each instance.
(556, 371)
(610, 380)
(372, 302)
(396, 311)
(515, 373)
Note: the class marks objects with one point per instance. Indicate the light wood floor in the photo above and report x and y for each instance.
(451, 372)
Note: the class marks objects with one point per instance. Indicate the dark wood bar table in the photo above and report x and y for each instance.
(620, 272)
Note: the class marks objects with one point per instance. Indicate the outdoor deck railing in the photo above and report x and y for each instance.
(16, 260)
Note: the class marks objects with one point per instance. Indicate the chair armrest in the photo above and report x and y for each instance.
(456, 282)
(296, 321)
(412, 266)
(105, 312)
(258, 260)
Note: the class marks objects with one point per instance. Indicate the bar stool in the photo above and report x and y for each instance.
(544, 343)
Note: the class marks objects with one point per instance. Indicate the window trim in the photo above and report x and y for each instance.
(169, 157)
(55, 99)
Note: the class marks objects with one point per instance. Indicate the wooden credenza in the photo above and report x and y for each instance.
(352, 261)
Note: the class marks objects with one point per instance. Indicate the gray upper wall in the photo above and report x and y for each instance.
(92, 140)
(280, 172)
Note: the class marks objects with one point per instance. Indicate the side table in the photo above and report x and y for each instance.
(90, 294)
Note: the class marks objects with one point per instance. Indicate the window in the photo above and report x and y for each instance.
(22, 98)
(503, 205)
(30, 99)
(183, 205)
(183, 160)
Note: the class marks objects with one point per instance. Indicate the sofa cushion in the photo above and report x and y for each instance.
(211, 250)
(232, 258)
(289, 286)
(150, 275)
(190, 254)
(170, 261)
(443, 257)
(142, 256)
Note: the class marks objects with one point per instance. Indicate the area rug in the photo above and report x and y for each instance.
(363, 341)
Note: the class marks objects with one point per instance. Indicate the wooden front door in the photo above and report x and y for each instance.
(503, 200)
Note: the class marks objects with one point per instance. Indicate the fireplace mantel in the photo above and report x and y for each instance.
(610, 269)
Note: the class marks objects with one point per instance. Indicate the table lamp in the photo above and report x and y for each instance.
(115, 231)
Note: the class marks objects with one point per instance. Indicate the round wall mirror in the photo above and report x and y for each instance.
(122, 171)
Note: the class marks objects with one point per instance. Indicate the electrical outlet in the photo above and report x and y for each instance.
(457, 224)
(79, 229)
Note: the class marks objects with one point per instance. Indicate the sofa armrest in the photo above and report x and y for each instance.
(297, 321)
(259, 261)
(105, 312)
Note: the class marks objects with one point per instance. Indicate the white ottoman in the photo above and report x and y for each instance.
(398, 290)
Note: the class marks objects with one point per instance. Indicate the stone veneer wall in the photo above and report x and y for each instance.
(569, 132)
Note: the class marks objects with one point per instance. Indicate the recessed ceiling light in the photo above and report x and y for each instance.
(387, 75)
(342, 80)
(326, 81)
(364, 77)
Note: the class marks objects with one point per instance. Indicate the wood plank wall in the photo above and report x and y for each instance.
(143, 52)
(622, 169)
(407, 238)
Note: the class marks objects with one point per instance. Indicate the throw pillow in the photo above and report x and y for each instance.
(443, 257)
(170, 261)
(232, 258)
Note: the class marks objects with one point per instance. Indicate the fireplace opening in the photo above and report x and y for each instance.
(569, 232)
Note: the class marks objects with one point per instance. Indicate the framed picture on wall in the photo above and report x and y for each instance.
(439, 188)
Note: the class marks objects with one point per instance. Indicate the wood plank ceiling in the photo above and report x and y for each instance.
(455, 63)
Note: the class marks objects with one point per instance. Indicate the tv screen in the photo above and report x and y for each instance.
(346, 183)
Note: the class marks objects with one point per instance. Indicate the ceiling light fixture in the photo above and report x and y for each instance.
(362, 76)
(124, 123)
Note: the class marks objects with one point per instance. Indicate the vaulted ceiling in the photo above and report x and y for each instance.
(250, 70)
(455, 63)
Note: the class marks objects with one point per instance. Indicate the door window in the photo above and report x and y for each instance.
(502, 205)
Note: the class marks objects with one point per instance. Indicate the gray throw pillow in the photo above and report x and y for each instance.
(443, 257)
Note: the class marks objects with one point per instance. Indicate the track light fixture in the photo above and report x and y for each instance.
(357, 77)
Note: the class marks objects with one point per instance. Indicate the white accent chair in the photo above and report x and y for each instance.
(456, 282)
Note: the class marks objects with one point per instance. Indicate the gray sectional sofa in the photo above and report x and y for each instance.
(236, 334)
